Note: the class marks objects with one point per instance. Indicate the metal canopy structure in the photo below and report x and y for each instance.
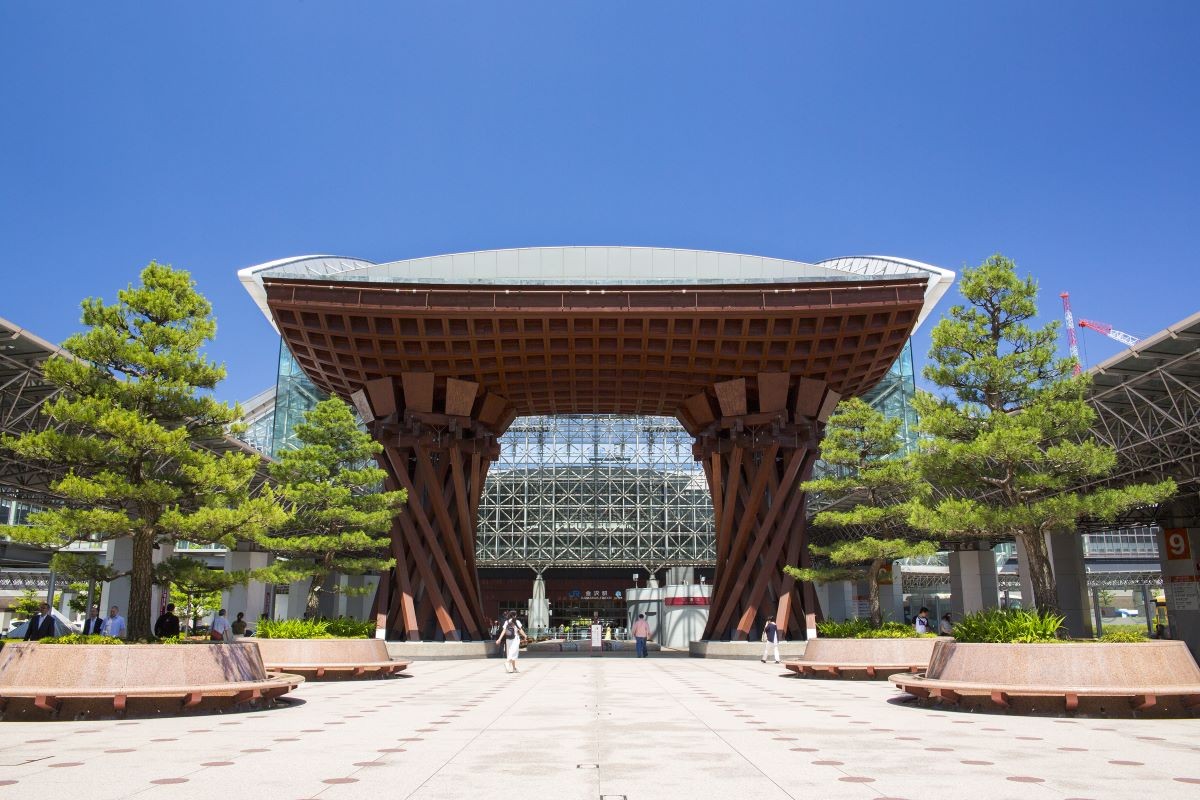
(24, 393)
(1148, 402)
(441, 355)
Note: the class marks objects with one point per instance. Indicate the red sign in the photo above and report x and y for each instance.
(1178, 546)
(685, 601)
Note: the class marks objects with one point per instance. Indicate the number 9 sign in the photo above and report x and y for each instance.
(1178, 546)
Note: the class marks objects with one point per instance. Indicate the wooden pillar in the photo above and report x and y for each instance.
(438, 439)
(757, 440)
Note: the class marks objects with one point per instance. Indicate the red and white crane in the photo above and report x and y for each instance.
(1072, 342)
(1127, 339)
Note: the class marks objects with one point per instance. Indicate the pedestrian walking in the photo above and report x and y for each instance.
(922, 623)
(221, 631)
(511, 634)
(770, 637)
(641, 632)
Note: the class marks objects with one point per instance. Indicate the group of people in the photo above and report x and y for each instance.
(167, 626)
(41, 626)
(923, 624)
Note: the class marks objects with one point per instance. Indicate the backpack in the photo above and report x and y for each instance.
(510, 629)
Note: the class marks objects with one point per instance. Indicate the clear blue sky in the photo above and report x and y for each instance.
(1063, 134)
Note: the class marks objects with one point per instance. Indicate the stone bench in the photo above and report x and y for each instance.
(76, 680)
(872, 658)
(334, 659)
(1072, 676)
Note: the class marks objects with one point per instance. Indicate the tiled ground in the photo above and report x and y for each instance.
(601, 728)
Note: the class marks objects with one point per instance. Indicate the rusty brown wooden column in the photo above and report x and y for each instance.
(439, 438)
(757, 440)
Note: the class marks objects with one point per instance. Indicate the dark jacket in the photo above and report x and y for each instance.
(167, 625)
(40, 627)
(93, 626)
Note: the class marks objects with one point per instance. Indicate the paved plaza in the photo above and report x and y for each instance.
(591, 728)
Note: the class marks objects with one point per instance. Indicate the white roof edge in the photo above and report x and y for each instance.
(939, 280)
(251, 278)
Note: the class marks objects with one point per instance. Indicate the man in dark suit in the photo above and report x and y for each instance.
(41, 626)
(167, 624)
(94, 624)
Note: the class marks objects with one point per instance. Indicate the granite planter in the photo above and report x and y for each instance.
(1112, 679)
(872, 659)
(330, 659)
(45, 681)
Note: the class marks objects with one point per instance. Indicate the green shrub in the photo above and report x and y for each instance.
(1124, 635)
(314, 629)
(351, 628)
(79, 638)
(293, 629)
(849, 629)
(1009, 626)
(861, 629)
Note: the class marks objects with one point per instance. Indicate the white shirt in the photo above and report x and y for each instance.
(221, 625)
(922, 624)
(115, 626)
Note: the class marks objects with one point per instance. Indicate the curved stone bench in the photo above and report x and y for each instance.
(330, 659)
(869, 658)
(47, 680)
(1089, 677)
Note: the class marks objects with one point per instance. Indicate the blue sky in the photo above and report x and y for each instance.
(1061, 134)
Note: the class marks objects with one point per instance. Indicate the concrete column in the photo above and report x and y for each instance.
(297, 598)
(973, 585)
(842, 603)
(1070, 579)
(119, 555)
(891, 596)
(1179, 549)
(251, 598)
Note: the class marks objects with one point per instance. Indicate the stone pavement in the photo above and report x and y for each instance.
(595, 728)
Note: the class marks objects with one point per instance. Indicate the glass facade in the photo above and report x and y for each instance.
(295, 395)
(596, 489)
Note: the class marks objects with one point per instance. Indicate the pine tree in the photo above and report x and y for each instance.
(129, 432)
(339, 522)
(1011, 439)
(868, 468)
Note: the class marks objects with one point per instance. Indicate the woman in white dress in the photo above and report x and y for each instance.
(511, 634)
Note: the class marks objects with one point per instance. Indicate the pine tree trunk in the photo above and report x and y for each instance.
(141, 583)
(1041, 576)
(873, 592)
(314, 596)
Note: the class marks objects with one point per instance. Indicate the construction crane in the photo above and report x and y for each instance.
(1103, 327)
(1072, 342)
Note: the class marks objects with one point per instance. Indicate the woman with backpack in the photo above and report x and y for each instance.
(511, 634)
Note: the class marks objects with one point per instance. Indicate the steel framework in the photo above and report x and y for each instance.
(584, 489)
(1148, 405)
